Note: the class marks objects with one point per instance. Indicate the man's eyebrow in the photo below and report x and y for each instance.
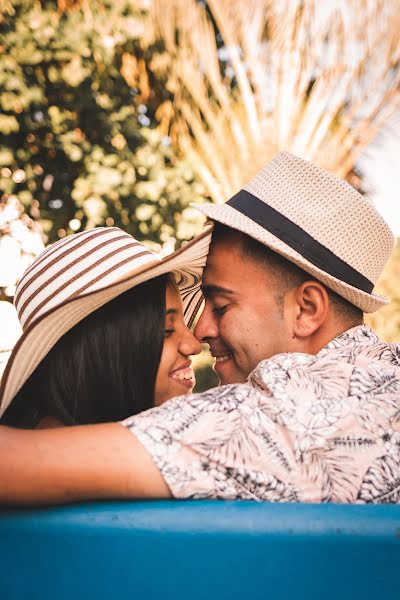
(210, 289)
(171, 311)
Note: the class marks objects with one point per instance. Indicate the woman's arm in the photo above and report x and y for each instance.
(67, 464)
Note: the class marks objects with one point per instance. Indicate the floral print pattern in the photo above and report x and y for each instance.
(304, 428)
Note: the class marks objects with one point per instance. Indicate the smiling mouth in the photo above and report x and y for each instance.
(221, 358)
(184, 376)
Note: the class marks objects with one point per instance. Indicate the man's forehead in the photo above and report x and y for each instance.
(220, 257)
(224, 263)
(221, 248)
(230, 267)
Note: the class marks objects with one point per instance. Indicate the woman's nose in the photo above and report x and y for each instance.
(189, 344)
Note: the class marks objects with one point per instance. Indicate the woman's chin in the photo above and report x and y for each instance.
(176, 388)
(182, 386)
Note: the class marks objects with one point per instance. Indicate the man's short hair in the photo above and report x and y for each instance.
(286, 273)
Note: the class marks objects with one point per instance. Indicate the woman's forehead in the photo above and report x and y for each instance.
(173, 297)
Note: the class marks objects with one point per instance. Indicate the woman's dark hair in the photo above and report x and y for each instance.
(103, 369)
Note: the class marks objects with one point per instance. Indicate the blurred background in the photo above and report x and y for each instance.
(122, 112)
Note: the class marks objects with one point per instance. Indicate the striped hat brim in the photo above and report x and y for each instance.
(43, 333)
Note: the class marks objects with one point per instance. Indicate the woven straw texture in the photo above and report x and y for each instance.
(329, 210)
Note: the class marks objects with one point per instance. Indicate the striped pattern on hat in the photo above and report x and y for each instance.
(77, 265)
(77, 275)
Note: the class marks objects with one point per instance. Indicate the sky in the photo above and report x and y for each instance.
(380, 166)
(380, 163)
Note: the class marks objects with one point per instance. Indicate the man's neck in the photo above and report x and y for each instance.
(325, 334)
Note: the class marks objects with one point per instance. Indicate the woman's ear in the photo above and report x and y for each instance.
(312, 305)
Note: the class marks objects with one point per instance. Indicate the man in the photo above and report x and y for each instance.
(250, 292)
(311, 412)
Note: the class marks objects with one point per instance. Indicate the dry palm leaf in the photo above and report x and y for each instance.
(293, 75)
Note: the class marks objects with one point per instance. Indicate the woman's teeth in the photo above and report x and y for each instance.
(184, 374)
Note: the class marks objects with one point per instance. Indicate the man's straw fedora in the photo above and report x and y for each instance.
(315, 220)
(75, 276)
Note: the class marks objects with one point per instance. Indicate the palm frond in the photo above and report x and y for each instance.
(302, 76)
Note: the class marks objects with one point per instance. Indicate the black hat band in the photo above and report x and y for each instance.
(299, 240)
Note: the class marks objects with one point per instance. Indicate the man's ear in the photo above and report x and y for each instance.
(311, 308)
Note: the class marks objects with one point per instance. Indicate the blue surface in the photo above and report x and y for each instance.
(198, 549)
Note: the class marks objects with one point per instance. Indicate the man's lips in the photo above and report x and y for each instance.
(221, 356)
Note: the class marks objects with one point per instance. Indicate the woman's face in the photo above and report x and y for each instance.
(175, 375)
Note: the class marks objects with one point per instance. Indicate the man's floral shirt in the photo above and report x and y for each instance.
(304, 428)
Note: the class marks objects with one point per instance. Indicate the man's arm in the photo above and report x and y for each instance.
(67, 464)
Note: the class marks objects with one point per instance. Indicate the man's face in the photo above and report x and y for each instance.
(242, 320)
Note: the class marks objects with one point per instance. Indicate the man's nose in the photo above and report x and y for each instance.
(207, 326)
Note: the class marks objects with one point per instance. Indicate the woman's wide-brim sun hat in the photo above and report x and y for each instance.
(315, 220)
(75, 276)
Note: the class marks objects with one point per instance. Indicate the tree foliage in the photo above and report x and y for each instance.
(80, 143)
(123, 111)
(387, 321)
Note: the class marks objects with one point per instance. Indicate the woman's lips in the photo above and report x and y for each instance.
(184, 376)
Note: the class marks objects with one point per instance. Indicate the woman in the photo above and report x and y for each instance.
(104, 332)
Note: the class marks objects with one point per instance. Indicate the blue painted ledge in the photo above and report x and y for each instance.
(200, 549)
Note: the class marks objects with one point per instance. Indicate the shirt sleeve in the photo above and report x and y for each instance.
(218, 444)
(302, 429)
